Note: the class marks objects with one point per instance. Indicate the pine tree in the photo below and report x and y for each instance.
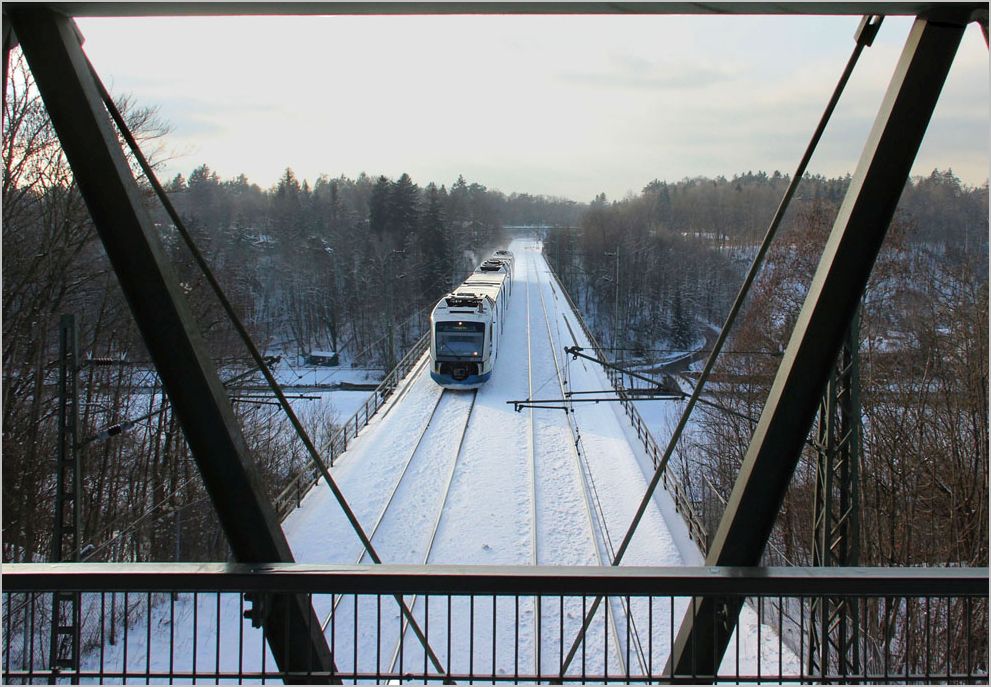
(435, 246)
(378, 206)
(404, 209)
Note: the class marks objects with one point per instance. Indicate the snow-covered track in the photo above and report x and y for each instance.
(592, 517)
(458, 399)
(381, 516)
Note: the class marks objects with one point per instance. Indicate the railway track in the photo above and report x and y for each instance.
(463, 397)
(595, 519)
(452, 408)
(418, 512)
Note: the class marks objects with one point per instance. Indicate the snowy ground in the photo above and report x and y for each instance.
(508, 488)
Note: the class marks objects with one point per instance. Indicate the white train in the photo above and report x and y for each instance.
(465, 326)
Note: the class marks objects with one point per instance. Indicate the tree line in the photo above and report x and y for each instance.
(652, 272)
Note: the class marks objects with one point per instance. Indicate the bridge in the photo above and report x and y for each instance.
(464, 537)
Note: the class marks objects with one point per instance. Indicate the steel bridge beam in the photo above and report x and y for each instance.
(447, 7)
(60, 69)
(832, 300)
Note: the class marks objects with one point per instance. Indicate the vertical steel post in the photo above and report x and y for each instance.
(833, 297)
(64, 646)
(834, 626)
(62, 74)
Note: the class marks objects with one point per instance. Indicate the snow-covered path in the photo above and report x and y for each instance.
(456, 477)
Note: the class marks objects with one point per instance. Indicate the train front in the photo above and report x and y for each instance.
(460, 333)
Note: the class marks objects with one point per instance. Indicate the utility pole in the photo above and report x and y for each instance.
(64, 647)
(833, 626)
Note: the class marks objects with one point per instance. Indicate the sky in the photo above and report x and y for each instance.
(567, 106)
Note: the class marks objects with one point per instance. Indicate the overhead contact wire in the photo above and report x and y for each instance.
(249, 344)
(868, 29)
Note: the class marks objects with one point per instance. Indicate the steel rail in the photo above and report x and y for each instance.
(532, 460)
(436, 527)
(585, 479)
(392, 495)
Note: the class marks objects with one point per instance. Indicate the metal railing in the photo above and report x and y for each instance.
(683, 501)
(300, 483)
(184, 621)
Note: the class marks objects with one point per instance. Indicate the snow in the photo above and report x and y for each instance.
(519, 491)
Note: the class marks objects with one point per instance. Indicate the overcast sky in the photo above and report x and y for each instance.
(558, 105)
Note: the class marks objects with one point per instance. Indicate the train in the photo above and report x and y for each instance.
(466, 325)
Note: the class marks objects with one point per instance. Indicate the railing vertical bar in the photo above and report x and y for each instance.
(240, 638)
(402, 644)
(450, 658)
(354, 641)
(378, 638)
(628, 640)
(560, 649)
(217, 650)
(650, 640)
(605, 638)
(103, 634)
(584, 634)
(494, 627)
(928, 672)
(539, 631)
(126, 635)
(196, 628)
(147, 644)
(30, 633)
(333, 630)
(426, 635)
(471, 639)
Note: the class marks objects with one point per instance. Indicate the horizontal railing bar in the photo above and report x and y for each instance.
(459, 678)
(141, 9)
(499, 580)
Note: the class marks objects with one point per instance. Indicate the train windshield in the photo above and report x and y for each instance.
(461, 339)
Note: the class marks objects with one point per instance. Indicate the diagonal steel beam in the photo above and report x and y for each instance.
(60, 69)
(834, 294)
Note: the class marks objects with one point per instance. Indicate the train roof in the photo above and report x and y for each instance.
(478, 292)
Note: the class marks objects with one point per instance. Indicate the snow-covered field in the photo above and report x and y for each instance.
(539, 486)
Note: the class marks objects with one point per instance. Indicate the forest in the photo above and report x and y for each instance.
(655, 272)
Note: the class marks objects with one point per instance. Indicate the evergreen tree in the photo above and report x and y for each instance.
(404, 209)
(379, 206)
(434, 244)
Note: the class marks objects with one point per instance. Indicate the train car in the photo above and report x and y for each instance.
(466, 325)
